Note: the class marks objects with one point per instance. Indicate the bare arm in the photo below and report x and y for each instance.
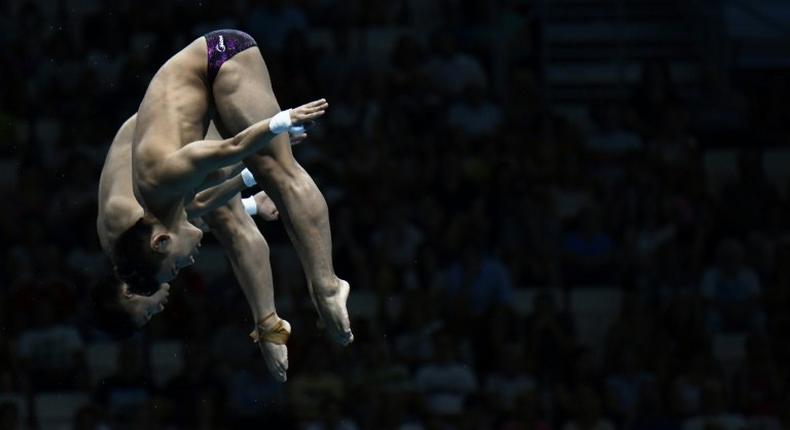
(219, 176)
(185, 168)
(214, 197)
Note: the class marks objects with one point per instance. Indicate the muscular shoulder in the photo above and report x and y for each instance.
(116, 215)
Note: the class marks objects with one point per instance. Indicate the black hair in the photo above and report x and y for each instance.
(135, 262)
(106, 311)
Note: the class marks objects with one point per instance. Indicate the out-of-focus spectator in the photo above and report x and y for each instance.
(550, 336)
(89, 417)
(476, 282)
(449, 69)
(413, 339)
(746, 201)
(124, 393)
(474, 115)
(587, 412)
(653, 412)
(732, 291)
(9, 416)
(526, 414)
(445, 381)
(331, 418)
(589, 250)
(758, 382)
(11, 377)
(270, 23)
(714, 413)
(509, 379)
(625, 384)
(52, 352)
(314, 388)
(654, 94)
(194, 389)
(253, 395)
(611, 138)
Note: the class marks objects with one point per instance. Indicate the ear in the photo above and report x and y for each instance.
(160, 242)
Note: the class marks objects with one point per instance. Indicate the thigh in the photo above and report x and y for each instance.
(243, 95)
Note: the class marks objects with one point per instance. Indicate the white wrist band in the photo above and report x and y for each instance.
(250, 206)
(249, 180)
(280, 122)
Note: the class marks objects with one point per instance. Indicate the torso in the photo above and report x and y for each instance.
(174, 112)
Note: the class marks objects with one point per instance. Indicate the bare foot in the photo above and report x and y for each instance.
(271, 338)
(266, 208)
(332, 311)
(276, 358)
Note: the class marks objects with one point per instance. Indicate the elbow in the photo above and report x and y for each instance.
(230, 148)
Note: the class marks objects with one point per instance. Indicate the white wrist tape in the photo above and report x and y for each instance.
(250, 206)
(249, 180)
(280, 122)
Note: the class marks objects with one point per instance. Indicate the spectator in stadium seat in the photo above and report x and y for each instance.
(195, 388)
(732, 291)
(476, 282)
(550, 336)
(509, 379)
(587, 411)
(475, 115)
(126, 391)
(89, 417)
(758, 384)
(449, 69)
(51, 352)
(526, 414)
(445, 381)
(9, 416)
(714, 413)
(589, 250)
(271, 22)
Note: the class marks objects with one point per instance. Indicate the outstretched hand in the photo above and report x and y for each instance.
(159, 299)
(308, 112)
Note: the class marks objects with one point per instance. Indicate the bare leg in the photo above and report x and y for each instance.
(248, 253)
(243, 96)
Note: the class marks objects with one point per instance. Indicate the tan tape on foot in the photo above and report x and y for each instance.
(278, 333)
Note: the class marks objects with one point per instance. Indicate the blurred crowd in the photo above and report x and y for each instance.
(453, 186)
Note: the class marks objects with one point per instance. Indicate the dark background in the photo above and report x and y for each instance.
(566, 214)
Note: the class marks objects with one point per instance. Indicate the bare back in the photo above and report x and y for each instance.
(118, 208)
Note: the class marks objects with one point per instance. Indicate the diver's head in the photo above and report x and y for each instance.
(150, 253)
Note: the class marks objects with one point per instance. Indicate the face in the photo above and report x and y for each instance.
(142, 308)
(180, 247)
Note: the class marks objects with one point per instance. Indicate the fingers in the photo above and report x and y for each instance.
(163, 293)
(309, 111)
(316, 104)
(301, 117)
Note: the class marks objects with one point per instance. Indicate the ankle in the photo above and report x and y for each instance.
(329, 288)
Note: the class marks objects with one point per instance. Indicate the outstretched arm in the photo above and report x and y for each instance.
(185, 168)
